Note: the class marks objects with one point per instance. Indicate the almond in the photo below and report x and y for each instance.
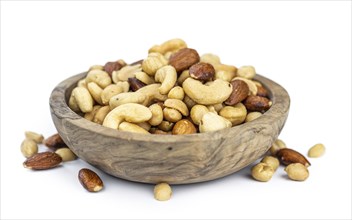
(240, 91)
(43, 161)
(184, 126)
(183, 59)
(110, 67)
(288, 156)
(202, 72)
(257, 103)
(90, 180)
(261, 91)
(54, 142)
(135, 84)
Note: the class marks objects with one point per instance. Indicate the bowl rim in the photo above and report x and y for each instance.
(58, 104)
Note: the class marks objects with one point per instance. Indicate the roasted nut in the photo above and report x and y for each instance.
(130, 127)
(167, 76)
(72, 103)
(253, 90)
(96, 67)
(172, 115)
(43, 161)
(166, 126)
(252, 115)
(224, 75)
(231, 70)
(316, 151)
(197, 113)
(210, 58)
(82, 98)
(54, 142)
(66, 154)
(277, 145)
(178, 105)
(158, 131)
(168, 46)
(184, 126)
(100, 77)
(188, 101)
(90, 115)
(153, 62)
(262, 172)
(126, 72)
(183, 76)
(213, 122)
(297, 172)
(110, 67)
(152, 94)
(157, 115)
(247, 72)
(101, 114)
(202, 71)
(257, 103)
(37, 138)
(144, 78)
(29, 147)
(271, 161)
(135, 84)
(288, 156)
(127, 97)
(183, 59)
(176, 93)
(162, 192)
(90, 180)
(235, 114)
(95, 91)
(261, 91)
(110, 91)
(240, 92)
(82, 83)
(145, 125)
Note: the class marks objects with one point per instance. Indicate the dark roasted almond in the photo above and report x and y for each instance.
(202, 71)
(43, 161)
(240, 91)
(54, 142)
(184, 59)
(90, 180)
(257, 103)
(288, 156)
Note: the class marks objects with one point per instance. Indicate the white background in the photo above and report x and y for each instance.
(304, 46)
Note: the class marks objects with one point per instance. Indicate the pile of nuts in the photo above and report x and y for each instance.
(172, 91)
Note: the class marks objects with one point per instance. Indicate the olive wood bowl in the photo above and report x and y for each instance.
(176, 159)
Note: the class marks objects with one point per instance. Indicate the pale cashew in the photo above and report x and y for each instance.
(38, 138)
(216, 108)
(96, 67)
(124, 85)
(125, 72)
(236, 114)
(157, 115)
(218, 91)
(83, 99)
(252, 115)
(251, 85)
(213, 122)
(166, 126)
(212, 109)
(130, 112)
(167, 55)
(101, 114)
(224, 67)
(167, 75)
(210, 58)
(72, 103)
(152, 93)
(153, 62)
(100, 77)
(127, 97)
(126, 126)
(197, 113)
(82, 83)
(168, 46)
(144, 78)
(110, 91)
(95, 91)
(145, 125)
(224, 75)
(176, 93)
(188, 101)
(183, 76)
(247, 72)
(178, 105)
(90, 115)
(172, 115)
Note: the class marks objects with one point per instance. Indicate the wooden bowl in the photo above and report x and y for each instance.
(176, 159)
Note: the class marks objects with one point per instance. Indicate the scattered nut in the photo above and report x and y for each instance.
(288, 156)
(90, 180)
(157, 115)
(183, 59)
(95, 91)
(37, 138)
(29, 147)
(83, 99)
(297, 172)
(42, 161)
(66, 154)
(271, 161)
(262, 172)
(54, 142)
(197, 113)
(184, 126)
(162, 192)
(202, 71)
(277, 145)
(172, 115)
(316, 151)
(110, 91)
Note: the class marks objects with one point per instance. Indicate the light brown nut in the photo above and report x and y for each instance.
(288, 156)
(317, 150)
(172, 115)
(162, 192)
(226, 68)
(168, 46)
(135, 84)
(261, 91)
(54, 142)
(235, 114)
(213, 122)
(183, 76)
(178, 105)
(96, 67)
(262, 172)
(167, 76)
(145, 78)
(153, 62)
(100, 77)
(126, 72)
(37, 138)
(166, 126)
(197, 113)
(29, 148)
(110, 67)
(130, 127)
(297, 172)
(253, 90)
(184, 126)
(240, 92)
(152, 94)
(224, 75)
(83, 99)
(82, 83)
(66, 154)
(202, 71)
(145, 125)
(90, 115)
(101, 114)
(90, 180)
(43, 161)
(189, 102)
(183, 59)
(252, 116)
(257, 103)
(158, 131)
(157, 115)
(176, 93)
(95, 91)
(210, 58)
(271, 161)
(247, 72)
(277, 145)
(109, 92)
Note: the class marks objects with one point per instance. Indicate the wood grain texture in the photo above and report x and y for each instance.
(176, 159)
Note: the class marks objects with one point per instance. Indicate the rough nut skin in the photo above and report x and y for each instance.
(183, 59)
(184, 126)
(240, 91)
(256, 103)
(54, 142)
(262, 91)
(202, 71)
(110, 67)
(135, 84)
(43, 161)
(90, 180)
(288, 156)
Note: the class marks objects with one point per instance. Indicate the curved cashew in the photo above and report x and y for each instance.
(126, 126)
(178, 105)
(172, 115)
(127, 97)
(153, 62)
(152, 93)
(145, 125)
(83, 99)
(210, 58)
(166, 126)
(218, 91)
(251, 85)
(95, 92)
(72, 103)
(101, 114)
(247, 72)
(168, 46)
(125, 86)
(157, 115)
(145, 78)
(189, 102)
(197, 113)
(226, 68)
(90, 115)
(130, 112)
(224, 75)
(236, 114)
(167, 75)
(125, 72)
(183, 76)
(213, 122)
(176, 93)
(82, 83)
(110, 91)
(100, 77)
(96, 67)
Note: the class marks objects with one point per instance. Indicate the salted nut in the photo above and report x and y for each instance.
(43, 161)
(54, 142)
(90, 180)
(168, 46)
(135, 84)
(288, 156)
(184, 126)
(167, 75)
(240, 92)
(257, 103)
(202, 71)
(183, 59)
(110, 67)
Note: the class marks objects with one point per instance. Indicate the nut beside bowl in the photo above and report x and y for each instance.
(175, 159)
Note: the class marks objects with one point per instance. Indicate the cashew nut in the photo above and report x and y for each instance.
(95, 92)
(167, 75)
(73, 104)
(29, 148)
(90, 115)
(152, 93)
(197, 113)
(247, 72)
(127, 97)
(82, 83)
(210, 58)
(224, 75)
(166, 126)
(178, 105)
(126, 126)
(130, 112)
(213, 122)
(183, 76)
(124, 85)
(37, 138)
(83, 99)
(277, 145)
(216, 107)
(125, 72)
(157, 115)
(176, 93)
(251, 85)
(145, 78)
(224, 67)
(252, 115)
(101, 114)
(262, 172)
(236, 114)
(110, 91)
(172, 115)
(218, 91)
(153, 62)
(188, 101)
(168, 46)
(96, 67)
(100, 77)
(145, 125)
